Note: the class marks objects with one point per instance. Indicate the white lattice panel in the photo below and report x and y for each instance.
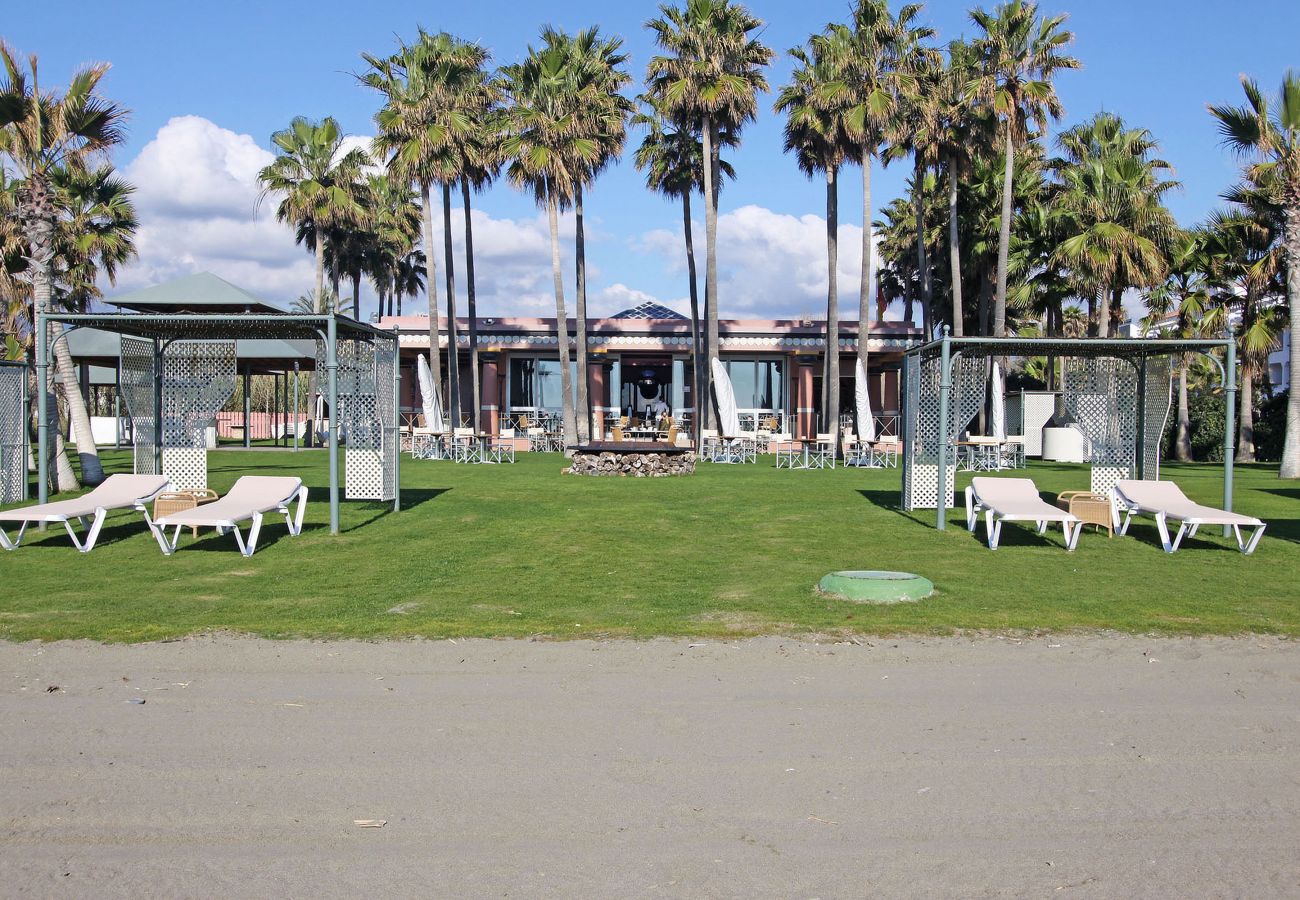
(136, 382)
(186, 467)
(925, 486)
(1035, 411)
(13, 427)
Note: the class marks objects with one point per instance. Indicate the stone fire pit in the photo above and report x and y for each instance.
(635, 460)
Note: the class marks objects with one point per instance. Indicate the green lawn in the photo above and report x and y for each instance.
(508, 551)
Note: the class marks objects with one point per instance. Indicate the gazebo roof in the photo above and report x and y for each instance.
(1131, 348)
(201, 292)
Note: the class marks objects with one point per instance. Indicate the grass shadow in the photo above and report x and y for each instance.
(377, 509)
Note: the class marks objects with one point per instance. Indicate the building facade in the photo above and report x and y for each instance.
(640, 361)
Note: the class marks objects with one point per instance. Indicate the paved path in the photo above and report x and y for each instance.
(1092, 766)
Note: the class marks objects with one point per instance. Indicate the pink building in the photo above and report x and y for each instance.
(640, 361)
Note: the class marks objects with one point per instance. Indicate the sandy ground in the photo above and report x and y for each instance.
(1095, 766)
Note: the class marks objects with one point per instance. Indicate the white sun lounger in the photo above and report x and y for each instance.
(1015, 500)
(249, 500)
(1164, 500)
(116, 492)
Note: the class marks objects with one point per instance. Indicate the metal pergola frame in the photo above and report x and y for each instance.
(166, 328)
(1136, 350)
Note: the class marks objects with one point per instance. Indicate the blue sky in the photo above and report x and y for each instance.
(248, 67)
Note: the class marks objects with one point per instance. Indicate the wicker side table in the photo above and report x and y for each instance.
(170, 502)
(1091, 509)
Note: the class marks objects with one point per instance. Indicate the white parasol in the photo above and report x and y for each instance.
(428, 398)
(862, 400)
(728, 415)
(998, 427)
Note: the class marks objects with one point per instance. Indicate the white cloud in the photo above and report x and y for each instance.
(196, 197)
(770, 265)
(197, 200)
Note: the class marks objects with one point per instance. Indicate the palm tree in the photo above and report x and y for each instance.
(959, 132)
(1185, 295)
(816, 132)
(599, 63)
(394, 232)
(315, 182)
(1271, 135)
(672, 156)
(548, 152)
(864, 54)
(1245, 267)
(711, 73)
(418, 131)
(1021, 54)
(42, 131)
(1109, 198)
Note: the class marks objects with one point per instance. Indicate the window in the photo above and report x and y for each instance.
(535, 383)
(758, 383)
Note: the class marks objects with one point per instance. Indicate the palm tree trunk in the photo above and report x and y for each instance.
(334, 289)
(430, 287)
(1183, 430)
(580, 268)
(1004, 239)
(92, 471)
(985, 302)
(922, 257)
(697, 369)
(864, 280)
(313, 377)
(954, 251)
(561, 321)
(1246, 422)
(471, 310)
(453, 343)
(1290, 467)
(356, 296)
(710, 267)
(832, 306)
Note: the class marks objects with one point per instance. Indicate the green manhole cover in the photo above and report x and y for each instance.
(870, 586)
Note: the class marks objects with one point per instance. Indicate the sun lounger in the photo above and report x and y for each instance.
(1165, 500)
(1015, 500)
(249, 500)
(116, 492)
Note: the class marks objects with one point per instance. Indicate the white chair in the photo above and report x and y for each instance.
(116, 492)
(1164, 500)
(1015, 500)
(249, 500)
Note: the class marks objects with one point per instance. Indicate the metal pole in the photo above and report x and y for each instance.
(295, 406)
(42, 408)
(397, 423)
(24, 399)
(117, 414)
(945, 387)
(248, 409)
(157, 407)
(284, 409)
(1141, 461)
(1229, 419)
(332, 369)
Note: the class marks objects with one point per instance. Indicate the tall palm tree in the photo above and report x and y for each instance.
(393, 235)
(1021, 53)
(596, 64)
(1270, 134)
(711, 72)
(817, 134)
(418, 131)
(315, 181)
(1245, 266)
(672, 156)
(1183, 294)
(42, 131)
(1109, 198)
(549, 153)
(865, 53)
(960, 131)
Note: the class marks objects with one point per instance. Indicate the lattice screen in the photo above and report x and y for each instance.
(13, 430)
(1159, 399)
(1101, 395)
(367, 417)
(137, 383)
(198, 378)
(921, 431)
